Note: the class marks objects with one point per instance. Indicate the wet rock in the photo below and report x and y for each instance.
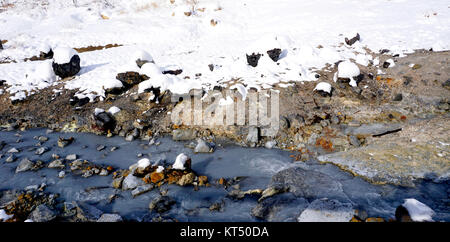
(253, 59)
(203, 147)
(43, 138)
(352, 40)
(110, 218)
(100, 147)
(13, 150)
(67, 69)
(41, 150)
(61, 174)
(63, 142)
(42, 213)
(56, 164)
(131, 182)
(308, 184)
(238, 194)
(104, 121)
(86, 212)
(280, 208)
(161, 204)
(71, 157)
(183, 134)
(24, 165)
(271, 191)
(117, 182)
(327, 210)
(142, 189)
(11, 158)
(402, 214)
(186, 179)
(274, 54)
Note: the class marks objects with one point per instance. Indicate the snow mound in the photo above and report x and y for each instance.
(62, 55)
(347, 69)
(150, 70)
(143, 163)
(418, 211)
(323, 86)
(113, 110)
(143, 56)
(180, 162)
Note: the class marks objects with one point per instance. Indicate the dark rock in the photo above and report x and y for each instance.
(104, 121)
(47, 55)
(402, 214)
(253, 59)
(1, 45)
(386, 64)
(173, 72)
(161, 204)
(86, 212)
(352, 40)
(446, 84)
(281, 208)
(274, 54)
(384, 51)
(407, 80)
(77, 101)
(211, 67)
(129, 79)
(67, 69)
(2, 82)
(398, 97)
(140, 62)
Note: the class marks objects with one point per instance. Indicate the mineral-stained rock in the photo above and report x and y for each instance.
(67, 69)
(327, 210)
(186, 179)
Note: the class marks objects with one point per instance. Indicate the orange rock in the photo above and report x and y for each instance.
(355, 220)
(202, 180)
(375, 220)
(156, 177)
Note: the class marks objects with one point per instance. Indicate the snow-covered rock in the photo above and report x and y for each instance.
(418, 211)
(347, 69)
(143, 163)
(181, 162)
(113, 110)
(323, 86)
(150, 70)
(63, 55)
(66, 62)
(131, 182)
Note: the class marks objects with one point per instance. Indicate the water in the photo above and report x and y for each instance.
(256, 165)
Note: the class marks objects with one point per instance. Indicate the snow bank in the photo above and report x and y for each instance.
(62, 55)
(180, 161)
(418, 211)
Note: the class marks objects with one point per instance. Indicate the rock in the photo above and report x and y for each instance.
(117, 182)
(104, 121)
(398, 97)
(307, 184)
(446, 84)
(161, 204)
(238, 194)
(41, 150)
(416, 66)
(24, 165)
(280, 208)
(271, 191)
(183, 134)
(129, 79)
(131, 182)
(202, 180)
(129, 138)
(57, 164)
(374, 129)
(186, 179)
(111, 218)
(274, 54)
(377, 220)
(13, 150)
(352, 40)
(42, 138)
(11, 158)
(61, 174)
(203, 147)
(142, 189)
(354, 141)
(42, 213)
(67, 69)
(100, 147)
(86, 212)
(402, 214)
(71, 157)
(327, 210)
(253, 135)
(270, 144)
(62, 142)
(1, 45)
(253, 59)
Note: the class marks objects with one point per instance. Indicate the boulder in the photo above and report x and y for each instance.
(327, 210)
(131, 182)
(203, 147)
(42, 213)
(161, 204)
(274, 54)
(67, 69)
(253, 59)
(24, 165)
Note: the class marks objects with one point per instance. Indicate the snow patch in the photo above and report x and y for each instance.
(180, 161)
(63, 55)
(113, 110)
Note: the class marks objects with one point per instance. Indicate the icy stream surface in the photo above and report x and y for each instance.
(256, 165)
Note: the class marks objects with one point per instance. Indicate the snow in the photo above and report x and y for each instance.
(418, 211)
(323, 86)
(180, 161)
(113, 110)
(4, 216)
(97, 111)
(160, 169)
(62, 55)
(143, 56)
(192, 43)
(391, 62)
(143, 163)
(347, 69)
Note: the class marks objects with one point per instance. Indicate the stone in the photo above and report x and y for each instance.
(398, 97)
(100, 147)
(354, 141)
(274, 54)
(42, 138)
(71, 157)
(61, 174)
(11, 158)
(202, 180)
(402, 214)
(62, 142)
(42, 213)
(446, 84)
(129, 79)
(253, 59)
(203, 147)
(13, 150)
(104, 121)
(327, 210)
(161, 204)
(270, 144)
(238, 194)
(253, 135)
(41, 150)
(186, 179)
(142, 189)
(110, 218)
(183, 134)
(117, 182)
(131, 182)
(281, 208)
(271, 191)
(352, 40)
(57, 164)
(67, 69)
(86, 212)
(24, 165)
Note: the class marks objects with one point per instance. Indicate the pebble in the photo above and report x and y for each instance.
(24, 165)
(101, 147)
(13, 150)
(10, 158)
(41, 150)
(110, 218)
(71, 157)
(62, 174)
